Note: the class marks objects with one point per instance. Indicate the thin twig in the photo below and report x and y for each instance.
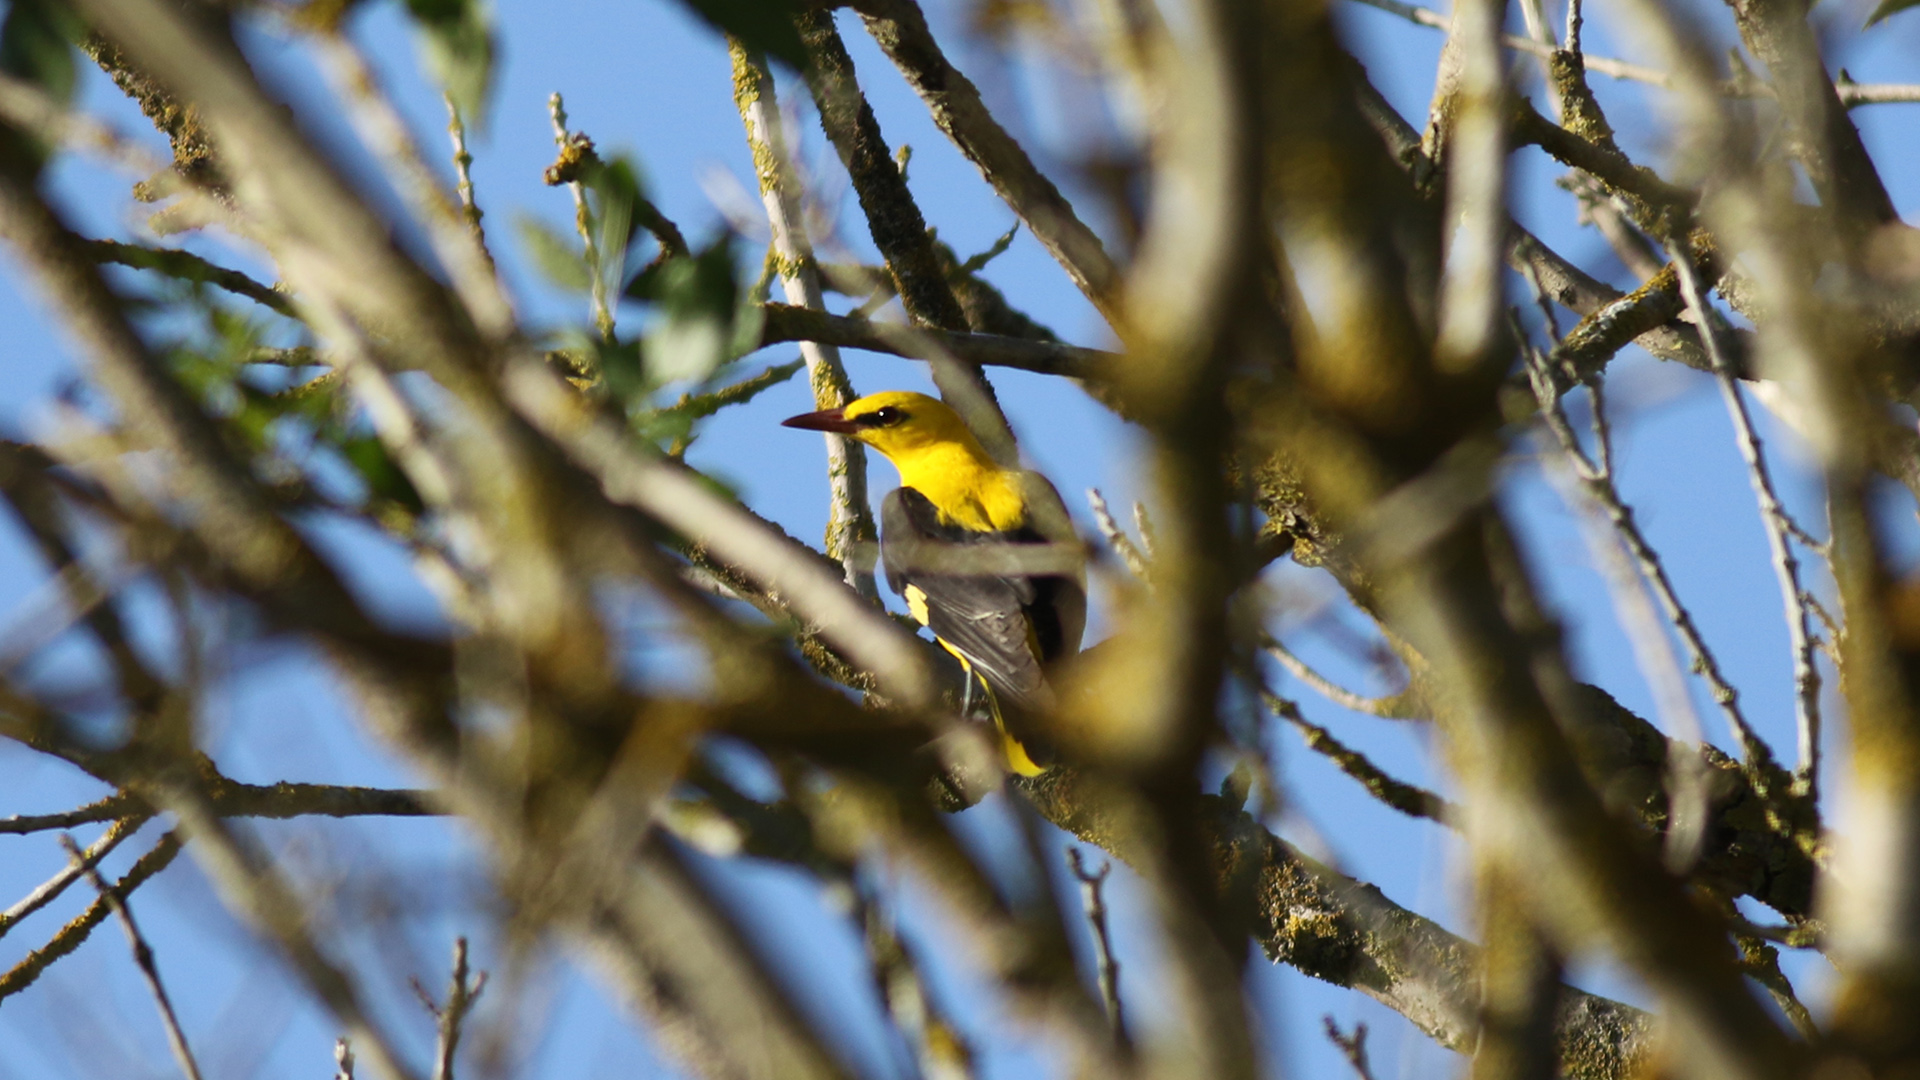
(1762, 964)
(1857, 93)
(1143, 524)
(1599, 485)
(50, 891)
(1409, 799)
(252, 887)
(454, 236)
(1618, 69)
(1093, 897)
(343, 1057)
(142, 956)
(1587, 485)
(1390, 707)
(463, 171)
(1773, 518)
(582, 218)
(461, 994)
(70, 936)
(1117, 537)
(187, 266)
(1352, 1047)
(1851, 93)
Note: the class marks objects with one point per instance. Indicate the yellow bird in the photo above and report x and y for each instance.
(982, 554)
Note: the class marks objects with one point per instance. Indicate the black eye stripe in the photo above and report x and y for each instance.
(884, 417)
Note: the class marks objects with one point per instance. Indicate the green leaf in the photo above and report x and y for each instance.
(665, 428)
(556, 255)
(619, 365)
(614, 187)
(698, 297)
(384, 480)
(1889, 7)
(763, 25)
(36, 46)
(456, 43)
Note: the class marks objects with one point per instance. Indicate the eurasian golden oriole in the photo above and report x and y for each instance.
(981, 553)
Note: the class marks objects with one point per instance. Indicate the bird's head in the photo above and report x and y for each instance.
(898, 423)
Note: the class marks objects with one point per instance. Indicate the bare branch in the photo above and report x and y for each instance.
(573, 145)
(850, 520)
(252, 888)
(1401, 706)
(142, 957)
(1763, 965)
(1353, 1047)
(69, 937)
(187, 266)
(230, 798)
(463, 174)
(461, 994)
(1341, 931)
(1093, 898)
(785, 322)
(900, 29)
(50, 891)
(1408, 799)
(1117, 537)
(1774, 519)
(1631, 568)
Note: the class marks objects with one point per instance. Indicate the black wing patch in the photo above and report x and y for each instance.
(1006, 626)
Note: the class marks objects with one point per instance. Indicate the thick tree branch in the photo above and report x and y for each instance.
(785, 322)
(1347, 933)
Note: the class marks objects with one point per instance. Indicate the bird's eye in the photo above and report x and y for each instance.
(885, 417)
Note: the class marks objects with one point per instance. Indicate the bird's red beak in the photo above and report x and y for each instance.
(833, 420)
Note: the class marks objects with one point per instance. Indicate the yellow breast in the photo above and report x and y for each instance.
(965, 490)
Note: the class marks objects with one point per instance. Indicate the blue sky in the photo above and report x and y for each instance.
(644, 78)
